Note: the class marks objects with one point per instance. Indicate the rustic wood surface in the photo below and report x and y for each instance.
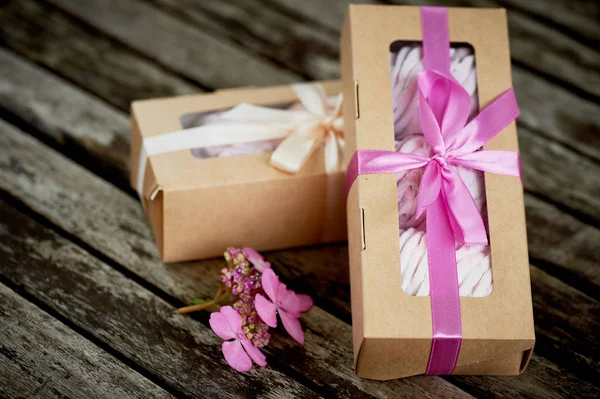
(87, 308)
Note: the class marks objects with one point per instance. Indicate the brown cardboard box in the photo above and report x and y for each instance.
(392, 331)
(198, 207)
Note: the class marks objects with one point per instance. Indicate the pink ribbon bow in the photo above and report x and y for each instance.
(444, 107)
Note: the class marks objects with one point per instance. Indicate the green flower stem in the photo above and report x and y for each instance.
(217, 302)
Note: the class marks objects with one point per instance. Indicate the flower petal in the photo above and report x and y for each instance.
(252, 254)
(264, 266)
(219, 325)
(305, 302)
(266, 310)
(293, 303)
(233, 319)
(270, 283)
(292, 326)
(254, 353)
(236, 356)
(256, 259)
(289, 302)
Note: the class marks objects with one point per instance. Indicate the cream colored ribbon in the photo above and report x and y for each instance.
(303, 132)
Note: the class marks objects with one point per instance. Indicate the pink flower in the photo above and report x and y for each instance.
(287, 303)
(256, 259)
(240, 352)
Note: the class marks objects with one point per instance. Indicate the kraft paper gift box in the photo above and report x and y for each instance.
(392, 331)
(197, 207)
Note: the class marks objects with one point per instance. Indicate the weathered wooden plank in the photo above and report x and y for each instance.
(179, 46)
(308, 50)
(113, 223)
(41, 357)
(566, 246)
(553, 53)
(533, 44)
(578, 18)
(555, 113)
(311, 49)
(127, 317)
(78, 122)
(566, 324)
(560, 175)
(109, 69)
(542, 379)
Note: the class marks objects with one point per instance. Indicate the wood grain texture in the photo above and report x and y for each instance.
(578, 19)
(566, 321)
(542, 379)
(564, 244)
(560, 175)
(130, 319)
(113, 224)
(182, 47)
(42, 358)
(309, 50)
(559, 128)
(65, 114)
(87, 58)
(556, 114)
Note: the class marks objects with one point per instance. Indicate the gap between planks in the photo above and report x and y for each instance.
(67, 114)
(123, 315)
(186, 272)
(40, 356)
(68, 103)
(51, 86)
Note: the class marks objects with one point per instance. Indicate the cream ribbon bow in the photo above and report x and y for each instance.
(303, 132)
(318, 128)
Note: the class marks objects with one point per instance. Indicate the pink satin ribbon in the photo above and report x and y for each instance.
(444, 107)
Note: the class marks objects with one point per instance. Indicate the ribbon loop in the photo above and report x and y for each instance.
(296, 149)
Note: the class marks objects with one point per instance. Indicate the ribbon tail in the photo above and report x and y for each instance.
(445, 299)
(429, 189)
(312, 96)
(465, 219)
(368, 162)
(293, 152)
(332, 153)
